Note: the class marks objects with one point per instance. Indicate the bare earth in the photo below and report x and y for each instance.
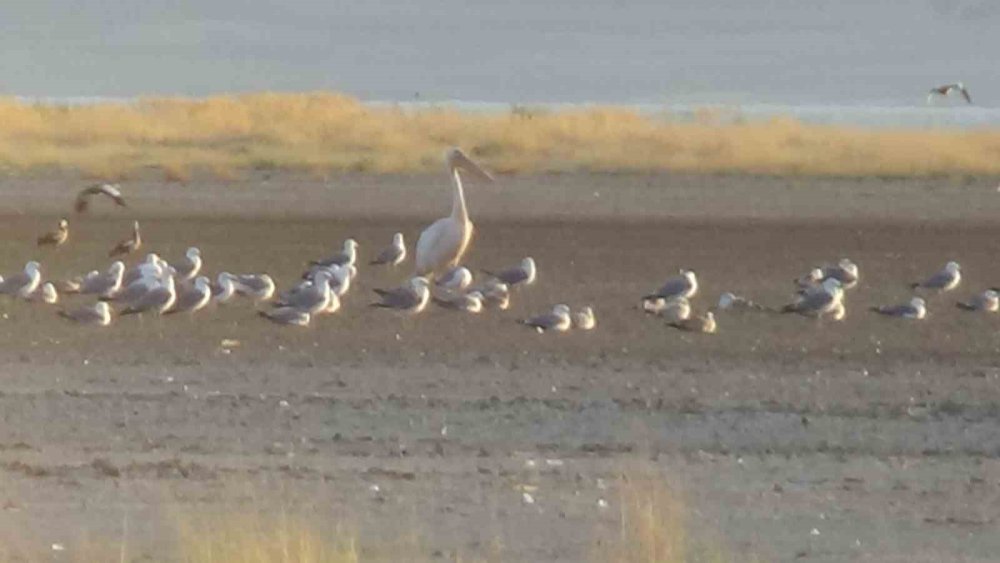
(881, 435)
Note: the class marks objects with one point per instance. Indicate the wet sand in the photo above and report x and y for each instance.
(881, 435)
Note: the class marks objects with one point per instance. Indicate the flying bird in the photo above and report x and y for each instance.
(112, 191)
(129, 245)
(444, 242)
(56, 237)
(394, 254)
(946, 89)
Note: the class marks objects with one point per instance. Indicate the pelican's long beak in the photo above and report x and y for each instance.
(466, 164)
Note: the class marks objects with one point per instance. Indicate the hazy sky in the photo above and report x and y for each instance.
(785, 51)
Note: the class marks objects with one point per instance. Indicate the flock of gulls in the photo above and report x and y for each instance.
(154, 286)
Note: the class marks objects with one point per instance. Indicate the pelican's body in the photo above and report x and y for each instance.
(444, 242)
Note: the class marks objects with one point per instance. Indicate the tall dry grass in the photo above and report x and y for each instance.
(330, 132)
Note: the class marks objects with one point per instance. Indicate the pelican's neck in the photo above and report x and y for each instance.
(458, 209)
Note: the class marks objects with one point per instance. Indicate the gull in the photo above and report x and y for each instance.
(947, 89)
(190, 265)
(224, 288)
(496, 294)
(332, 305)
(819, 301)
(112, 191)
(133, 291)
(258, 286)
(558, 320)
(584, 319)
(704, 324)
(104, 285)
(394, 254)
(445, 241)
(152, 266)
(56, 237)
(458, 277)
(23, 283)
(192, 297)
(287, 316)
(673, 309)
(524, 273)
(845, 271)
(471, 302)
(129, 245)
(311, 298)
(159, 298)
(812, 279)
(988, 301)
(46, 293)
(340, 278)
(731, 301)
(346, 257)
(945, 280)
(683, 285)
(98, 314)
(411, 297)
(916, 308)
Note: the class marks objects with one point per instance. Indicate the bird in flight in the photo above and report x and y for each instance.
(946, 89)
(112, 191)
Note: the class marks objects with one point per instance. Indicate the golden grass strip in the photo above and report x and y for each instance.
(331, 132)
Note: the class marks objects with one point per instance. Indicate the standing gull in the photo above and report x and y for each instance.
(704, 324)
(987, 301)
(159, 298)
(558, 320)
(112, 191)
(916, 309)
(98, 314)
(522, 274)
(346, 257)
(129, 245)
(444, 242)
(56, 237)
(945, 280)
(152, 266)
(311, 298)
(394, 254)
(685, 284)
(410, 298)
(23, 283)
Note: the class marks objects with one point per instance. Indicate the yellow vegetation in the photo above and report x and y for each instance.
(323, 132)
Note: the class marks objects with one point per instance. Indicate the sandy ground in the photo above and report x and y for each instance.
(882, 436)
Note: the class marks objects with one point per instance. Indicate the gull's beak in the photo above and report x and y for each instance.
(466, 164)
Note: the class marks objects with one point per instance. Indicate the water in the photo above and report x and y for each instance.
(854, 61)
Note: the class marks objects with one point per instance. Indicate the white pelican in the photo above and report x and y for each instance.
(129, 245)
(112, 191)
(947, 89)
(98, 314)
(683, 285)
(524, 273)
(988, 301)
(287, 316)
(190, 265)
(411, 297)
(558, 320)
(916, 308)
(394, 254)
(945, 280)
(23, 283)
(56, 237)
(704, 324)
(584, 319)
(443, 244)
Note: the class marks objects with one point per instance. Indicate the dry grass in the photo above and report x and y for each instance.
(323, 132)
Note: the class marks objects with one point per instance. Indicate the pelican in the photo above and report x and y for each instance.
(704, 324)
(915, 308)
(98, 314)
(458, 278)
(558, 320)
(988, 301)
(945, 280)
(23, 283)
(523, 273)
(444, 242)
(946, 89)
(190, 265)
(394, 254)
(410, 298)
(287, 316)
(56, 237)
(112, 191)
(129, 245)
(192, 298)
(584, 319)
(683, 285)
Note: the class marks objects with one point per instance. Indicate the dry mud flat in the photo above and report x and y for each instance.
(881, 436)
